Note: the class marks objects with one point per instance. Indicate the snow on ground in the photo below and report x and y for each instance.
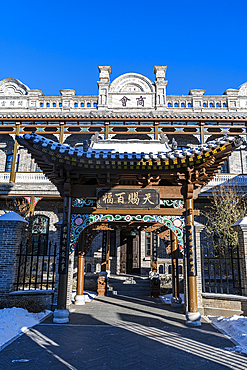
(14, 321)
(235, 327)
(167, 298)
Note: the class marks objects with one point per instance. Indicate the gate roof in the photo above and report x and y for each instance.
(196, 165)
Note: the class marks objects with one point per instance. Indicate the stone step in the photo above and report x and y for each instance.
(128, 286)
(130, 294)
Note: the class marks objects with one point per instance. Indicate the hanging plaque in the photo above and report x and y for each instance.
(128, 198)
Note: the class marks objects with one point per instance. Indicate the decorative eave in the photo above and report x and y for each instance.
(197, 165)
(125, 115)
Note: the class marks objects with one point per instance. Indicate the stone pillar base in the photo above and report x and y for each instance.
(79, 300)
(176, 302)
(61, 316)
(193, 319)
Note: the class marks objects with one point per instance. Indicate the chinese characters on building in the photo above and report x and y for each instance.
(127, 198)
(154, 246)
(104, 245)
(190, 250)
(139, 101)
(63, 252)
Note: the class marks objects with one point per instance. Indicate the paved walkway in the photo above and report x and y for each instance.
(122, 333)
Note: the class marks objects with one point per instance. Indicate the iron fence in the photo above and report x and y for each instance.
(221, 270)
(36, 266)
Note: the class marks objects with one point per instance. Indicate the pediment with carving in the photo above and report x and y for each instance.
(130, 82)
(243, 89)
(13, 87)
(131, 90)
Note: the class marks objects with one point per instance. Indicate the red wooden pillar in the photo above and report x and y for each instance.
(192, 315)
(176, 300)
(80, 298)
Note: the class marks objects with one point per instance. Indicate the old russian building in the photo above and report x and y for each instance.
(134, 127)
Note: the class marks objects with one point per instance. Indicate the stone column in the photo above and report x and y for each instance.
(103, 84)
(160, 87)
(13, 168)
(12, 228)
(241, 227)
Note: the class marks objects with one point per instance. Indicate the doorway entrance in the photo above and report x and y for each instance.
(130, 252)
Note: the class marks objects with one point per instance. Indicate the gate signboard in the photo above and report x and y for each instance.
(128, 198)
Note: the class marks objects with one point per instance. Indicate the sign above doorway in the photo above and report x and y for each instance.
(128, 198)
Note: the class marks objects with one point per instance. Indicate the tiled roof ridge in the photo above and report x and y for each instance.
(109, 154)
(132, 115)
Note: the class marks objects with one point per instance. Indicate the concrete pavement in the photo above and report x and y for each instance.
(122, 332)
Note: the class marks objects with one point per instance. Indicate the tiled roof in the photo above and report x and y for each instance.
(91, 153)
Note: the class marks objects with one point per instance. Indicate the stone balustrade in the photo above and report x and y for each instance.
(39, 177)
(227, 179)
(25, 177)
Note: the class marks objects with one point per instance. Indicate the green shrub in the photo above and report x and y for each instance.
(31, 304)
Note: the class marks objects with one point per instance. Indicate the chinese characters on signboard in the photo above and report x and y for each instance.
(154, 245)
(190, 250)
(139, 101)
(63, 251)
(104, 244)
(128, 198)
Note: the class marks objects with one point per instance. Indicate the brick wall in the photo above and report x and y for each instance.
(10, 238)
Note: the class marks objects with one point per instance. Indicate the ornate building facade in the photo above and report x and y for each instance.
(131, 110)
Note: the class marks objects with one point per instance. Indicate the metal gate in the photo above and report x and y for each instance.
(36, 266)
(221, 270)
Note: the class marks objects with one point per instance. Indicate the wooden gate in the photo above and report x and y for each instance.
(129, 254)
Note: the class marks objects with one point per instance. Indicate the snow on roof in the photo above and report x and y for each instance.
(242, 221)
(131, 146)
(12, 216)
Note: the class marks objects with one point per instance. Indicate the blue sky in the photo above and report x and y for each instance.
(53, 45)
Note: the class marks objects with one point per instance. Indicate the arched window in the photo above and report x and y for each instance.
(161, 269)
(148, 244)
(189, 105)
(180, 270)
(89, 267)
(169, 105)
(40, 231)
(9, 161)
(225, 167)
(204, 105)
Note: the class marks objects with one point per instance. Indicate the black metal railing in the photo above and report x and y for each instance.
(36, 267)
(221, 270)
